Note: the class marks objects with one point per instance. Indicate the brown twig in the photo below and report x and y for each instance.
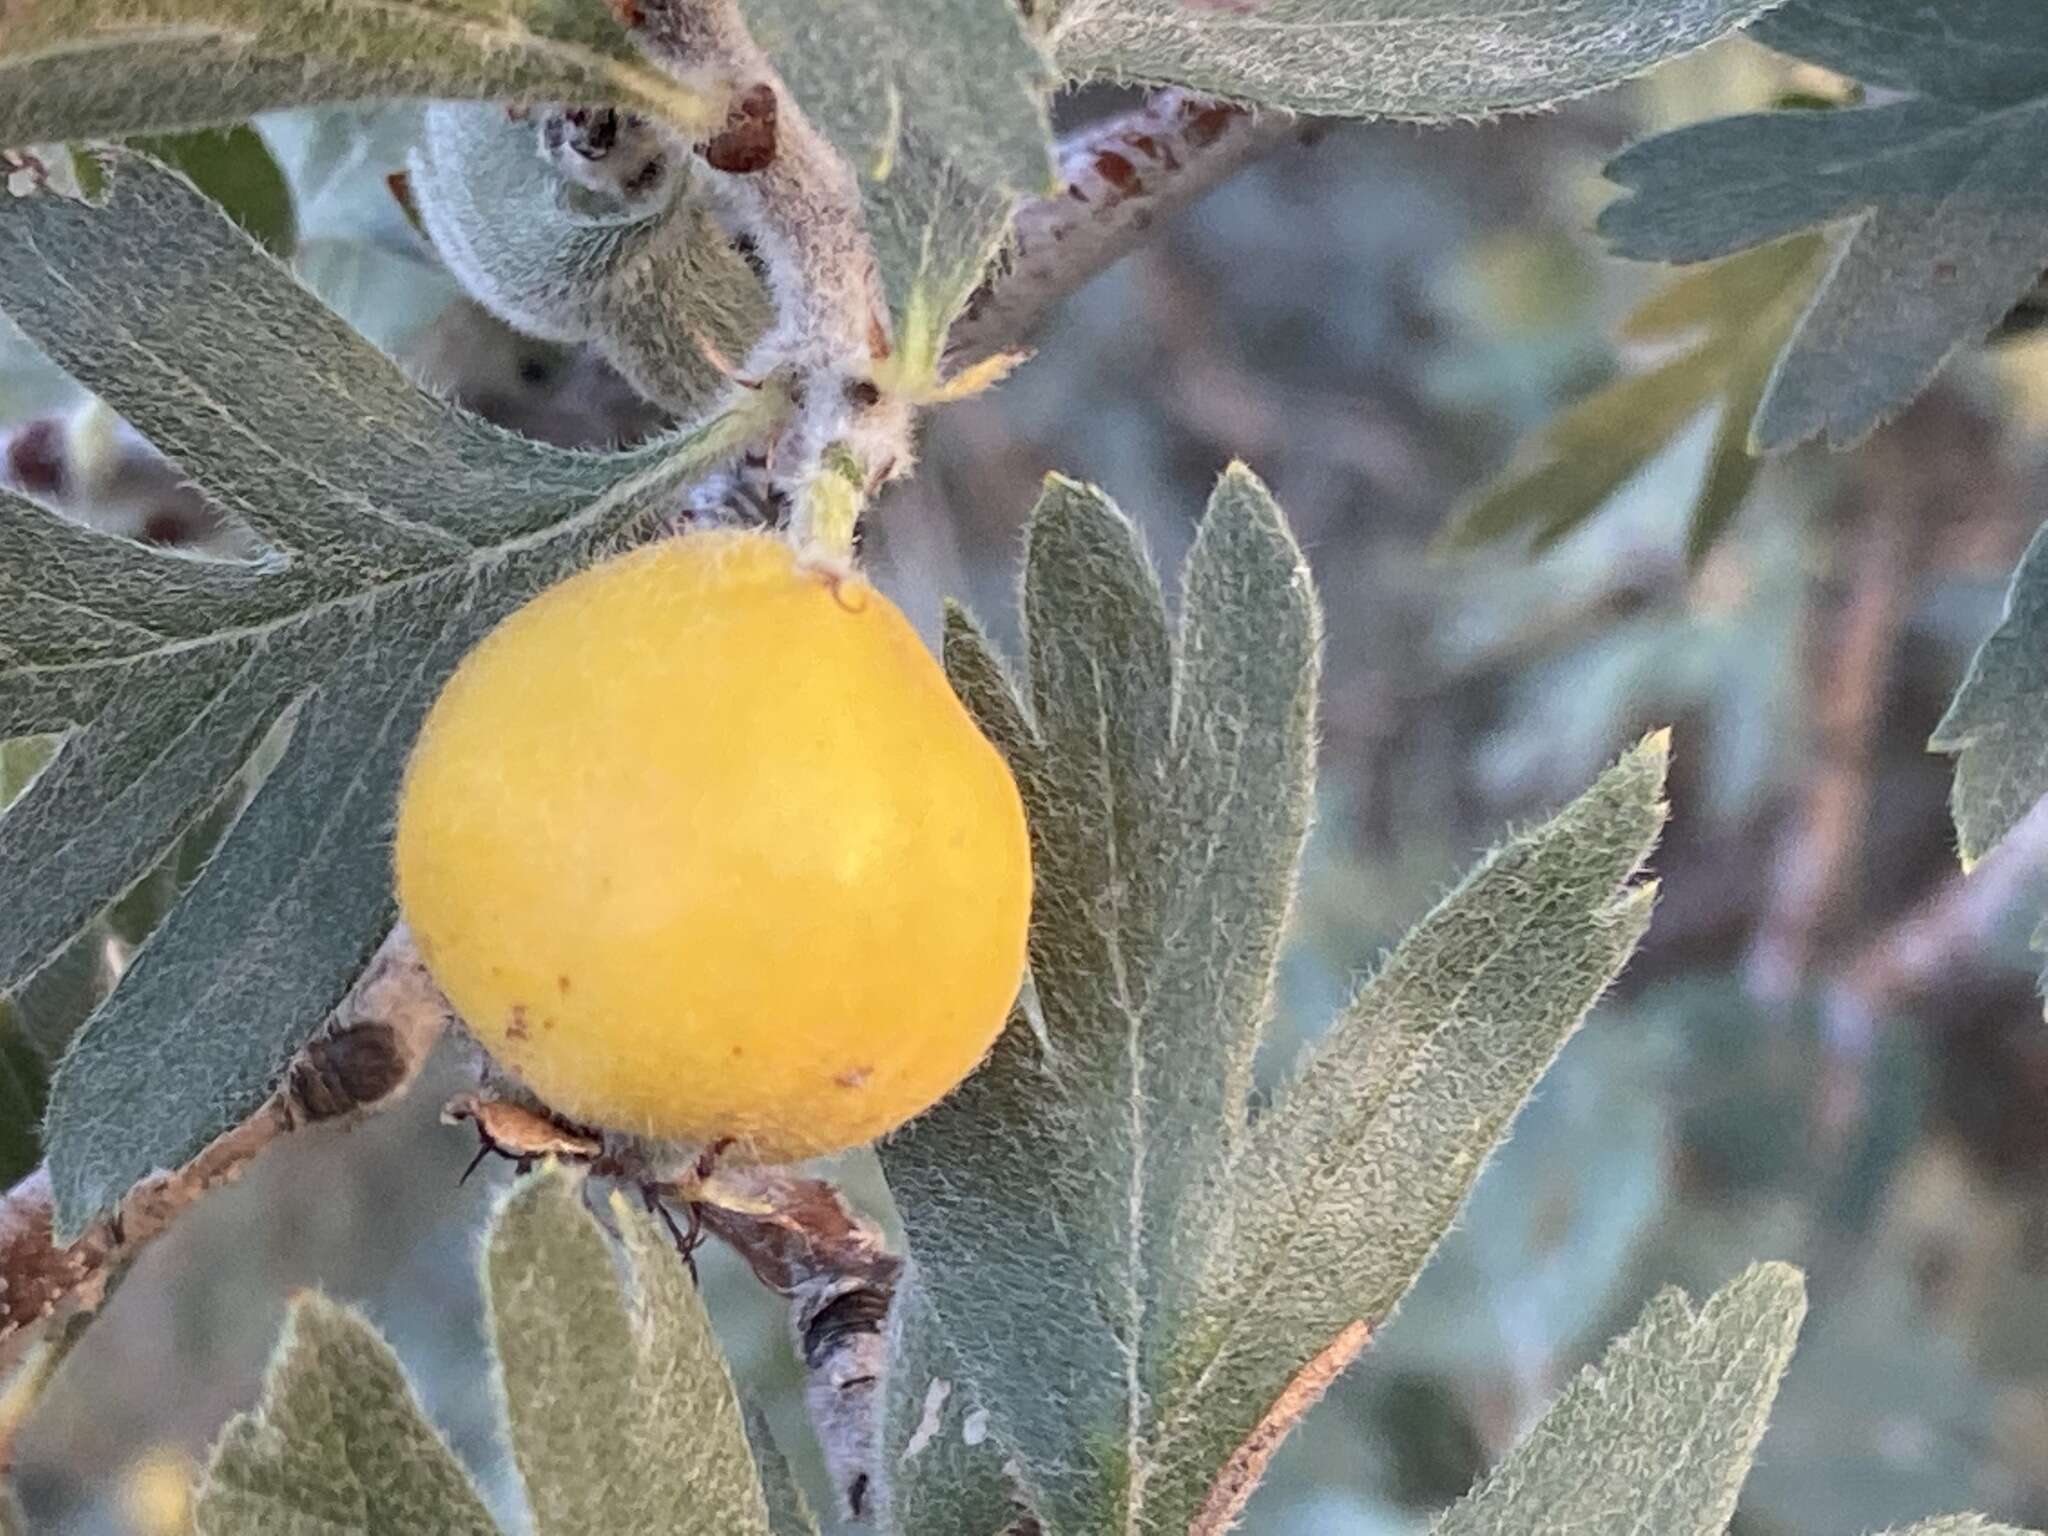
(1862, 596)
(804, 1241)
(1242, 1474)
(1910, 958)
(367, 1055)
(1118, 178)
(799, 1236)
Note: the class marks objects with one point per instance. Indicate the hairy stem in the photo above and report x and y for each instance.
(796, 198)
(804, 1241)
(1118, 179)
(367, 1055)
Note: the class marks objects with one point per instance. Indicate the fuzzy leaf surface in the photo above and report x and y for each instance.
(1659, 1433)
(400, 531)
(622, 1413)
(1394, 58)
(557, 261)
(72, 69)
(939, 105)
(1737, 315)
(1997, 724)
(1166, 780)
(337, 1447)
(1128, 1273)
(942, 1472)
(1943, 216)
(1348, 1182)
(1961, 1525)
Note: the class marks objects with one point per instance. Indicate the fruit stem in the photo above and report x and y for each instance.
(828, 513)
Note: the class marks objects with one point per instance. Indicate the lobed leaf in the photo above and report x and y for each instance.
(1943, 219)
(1140, 1286)
(1659, 1434)
(337, 1447)
(1997, 724)
(1395, 58)
(1348, 1182)
(622, 1413)
(1737, 315)
(1166, 780)
(400, 531)
(72, 69)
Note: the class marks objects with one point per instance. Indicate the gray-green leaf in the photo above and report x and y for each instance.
(1352, 1177)
(945, 1471)
(1126, 1271)
(940, 107)
(338, 1446)
(1997, 724)
(1398, 58)
(1943, 212)
(622, 1414)
(649, 291)
(1167, 785)
(1961, 1525)
(74, 69)
(1659, 1434)
(401, 530)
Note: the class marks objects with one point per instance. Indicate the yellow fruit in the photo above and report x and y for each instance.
(701, 845)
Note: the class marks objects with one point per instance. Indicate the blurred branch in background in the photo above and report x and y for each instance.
(1871, 545)
(1913, 957)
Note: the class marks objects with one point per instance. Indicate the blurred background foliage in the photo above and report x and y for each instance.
(1828, 1051)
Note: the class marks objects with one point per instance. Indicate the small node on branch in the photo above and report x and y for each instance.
(746, 144)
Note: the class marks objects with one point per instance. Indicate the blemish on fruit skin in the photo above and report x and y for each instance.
(562, 985)
(516, 1028)
(738, 1052)
(853, 1077)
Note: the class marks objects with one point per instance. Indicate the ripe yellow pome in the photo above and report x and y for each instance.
(701, 845)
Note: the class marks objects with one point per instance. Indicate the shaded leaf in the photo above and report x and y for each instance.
(622, 1414)
(940, 107)
(233, 166)
(24, 1083)
(1737, 315)
(338, 1446)
(1351, 1178)
(402, 530)
(1944, 218)
(1166, 780)
(1659, 1434)
(72, 69)
(1997, 724)
(1370, 58)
